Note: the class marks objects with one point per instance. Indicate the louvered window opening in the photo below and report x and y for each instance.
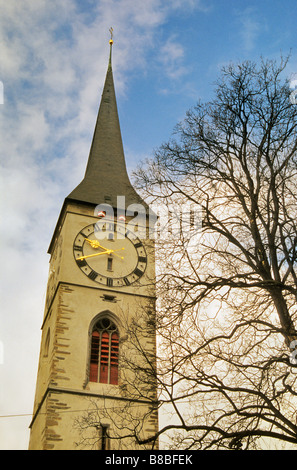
(104, 353)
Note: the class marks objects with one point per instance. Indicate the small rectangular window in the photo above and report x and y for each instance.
(104, 437)
(109, 264)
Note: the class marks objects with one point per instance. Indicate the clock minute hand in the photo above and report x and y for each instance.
(107, 252)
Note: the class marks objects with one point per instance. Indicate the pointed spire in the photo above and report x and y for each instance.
(106, 175)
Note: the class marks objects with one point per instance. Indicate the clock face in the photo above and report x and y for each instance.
(115, 257)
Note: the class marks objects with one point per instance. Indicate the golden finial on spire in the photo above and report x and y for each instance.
(111, 36)
(110, 44)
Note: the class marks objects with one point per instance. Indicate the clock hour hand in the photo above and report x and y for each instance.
(94, 243)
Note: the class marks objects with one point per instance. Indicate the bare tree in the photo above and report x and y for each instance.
(227, 305)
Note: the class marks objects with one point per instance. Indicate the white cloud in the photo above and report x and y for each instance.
(250, 28)
(171, 58)
(293, 81)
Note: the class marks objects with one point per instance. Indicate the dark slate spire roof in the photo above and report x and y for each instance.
(106, 174)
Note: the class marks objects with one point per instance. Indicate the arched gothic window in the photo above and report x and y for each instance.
(104, 352)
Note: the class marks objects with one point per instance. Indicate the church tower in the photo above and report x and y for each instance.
(96, 384)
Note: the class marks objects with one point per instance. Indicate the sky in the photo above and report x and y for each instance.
(167, 55)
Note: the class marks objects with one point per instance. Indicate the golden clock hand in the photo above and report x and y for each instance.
(94, 243)
(107, 252)
(113, 252)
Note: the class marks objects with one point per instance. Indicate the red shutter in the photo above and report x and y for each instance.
(104, 358)
(114, 358)
(94, 357)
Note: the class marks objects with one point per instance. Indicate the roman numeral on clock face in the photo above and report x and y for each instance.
(109, 282)
(138, 272)
(126, 281)
(81, 262)
(138, 245)
(92, 275)
(84, 235)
